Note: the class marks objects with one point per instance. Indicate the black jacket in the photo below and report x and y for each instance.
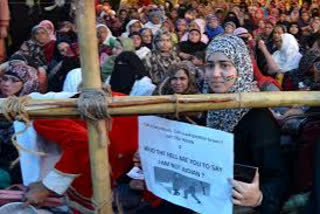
(257, 143)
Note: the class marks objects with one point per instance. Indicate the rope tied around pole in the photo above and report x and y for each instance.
(93, 106)
(177, 106)
(13, 109)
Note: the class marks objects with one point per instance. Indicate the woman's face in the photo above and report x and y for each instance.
(268, 29)
(305, 17)
(181, 26)
(102, 34)
(65, 49)
(174, 14)
(194, 36)
(220, 73)
(135, 27)
(147, 37)
(179, 82)
(165, 44)
(278, 31)
(213, 23)
(294, 29)
(41, 36)
(136, 41)
(155, 19)
(229, 29)
(315, 25)
(261, 24)
(10, 85)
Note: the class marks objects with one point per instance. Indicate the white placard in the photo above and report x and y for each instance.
(186, 164)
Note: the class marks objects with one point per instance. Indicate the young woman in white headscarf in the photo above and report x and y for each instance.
(256, 133)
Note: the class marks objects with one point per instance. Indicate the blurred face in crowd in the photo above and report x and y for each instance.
(220, 73)
(181, 26)
(65, 49)
(213, 23)
(179, 82)
(41, 36)
(228, 29)
(305, 17)
(278, 31)
(135, 27)
(10, 85)
(315, 25)
(261, 24)
(102, 34)
(136, 41)
(294, 29)
(283, 17)
(268, 29)
(147, 36)
(174, 14)
(123, 15)
(165, 43)
(194, 36)
(155, 19)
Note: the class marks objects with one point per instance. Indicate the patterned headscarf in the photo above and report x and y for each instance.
(235, 49)
(27, 74)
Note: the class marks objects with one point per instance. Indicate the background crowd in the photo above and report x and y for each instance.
(164, 47)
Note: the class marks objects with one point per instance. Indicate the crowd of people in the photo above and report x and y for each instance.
(165, 48)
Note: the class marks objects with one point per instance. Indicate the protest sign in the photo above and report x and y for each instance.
(186, 164)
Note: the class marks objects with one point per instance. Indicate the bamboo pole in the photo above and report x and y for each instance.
(120, 106)
(86, 23)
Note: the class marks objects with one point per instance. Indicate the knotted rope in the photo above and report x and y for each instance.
(93, 106)
(14, 109)
(177, 106)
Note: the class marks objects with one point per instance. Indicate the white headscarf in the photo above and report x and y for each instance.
(127, 33)
(109, 35)
(288, 57)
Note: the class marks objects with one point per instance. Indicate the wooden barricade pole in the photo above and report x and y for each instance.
(100, 170)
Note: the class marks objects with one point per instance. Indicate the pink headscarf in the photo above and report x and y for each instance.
(202, 24)
(48, 25)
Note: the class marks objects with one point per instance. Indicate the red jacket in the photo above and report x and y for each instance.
(72, 137)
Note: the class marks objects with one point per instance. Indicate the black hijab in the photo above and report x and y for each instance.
(191, 47)
(127, 69)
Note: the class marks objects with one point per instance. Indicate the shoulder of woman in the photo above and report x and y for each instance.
(260, 116)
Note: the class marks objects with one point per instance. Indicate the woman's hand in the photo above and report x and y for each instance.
(262, 46)
(247, 194)
(36, 194)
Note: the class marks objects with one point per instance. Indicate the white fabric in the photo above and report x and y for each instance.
(109, 34)
(143, 52)
(57, 182)
(288, 57)
(73, 80)
(154, 28)
(33, 166)
(127, 33)
(143, 87)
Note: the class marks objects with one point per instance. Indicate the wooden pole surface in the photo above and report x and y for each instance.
(87, 35)
(121, 106)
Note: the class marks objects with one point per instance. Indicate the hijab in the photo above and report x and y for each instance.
(288, 57)
(127, 33)
(50, 28)
(27, 74)
(127, 69)
(235, 49)
(212, 32)
(109, 36)
(191, 47)
(202, 25)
